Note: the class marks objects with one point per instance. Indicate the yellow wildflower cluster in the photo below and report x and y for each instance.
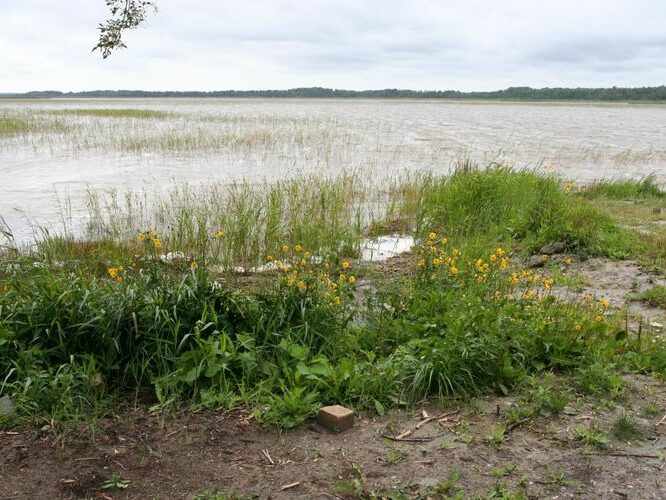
(435, 254)
(151, 237)
(115, 273)
(302, 272)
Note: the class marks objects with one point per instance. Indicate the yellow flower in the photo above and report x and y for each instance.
(444, 241)
(337, 300)
(453, 271)
(432, 236)
(568, 261)
(157, 243)
(544, 257)
(504, 263)
(513, 279)
(342, 277)
(193, 265)
(577, 328)
(548, 283)
(113, 272)
(493, 258)
(587, 297)
(436, 262)
(219, 234)
(421, 263)
(298, 248)
(480, 278)
(500, 252)
(141, 236)
(306, 255)
(152, 233)
(498, 295)
(302, 286)
(345, 265)
(604, 302)
(352, 279)
(285, 248)
(599, 318)
(269, 258)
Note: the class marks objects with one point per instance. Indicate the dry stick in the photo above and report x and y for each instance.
(425, 421)
(662, 420)
(288, 486)
(618, 454)
(424, 439)
(268, 456)
(516, 424)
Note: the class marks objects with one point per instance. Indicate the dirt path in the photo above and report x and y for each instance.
(211, 452)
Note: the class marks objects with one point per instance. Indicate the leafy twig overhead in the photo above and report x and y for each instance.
(125, 15)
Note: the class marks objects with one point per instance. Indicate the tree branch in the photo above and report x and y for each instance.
(125, 15)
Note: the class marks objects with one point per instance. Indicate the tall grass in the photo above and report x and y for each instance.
(113, 113)
(628, 189)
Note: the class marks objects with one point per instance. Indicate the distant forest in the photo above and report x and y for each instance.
(511, 94)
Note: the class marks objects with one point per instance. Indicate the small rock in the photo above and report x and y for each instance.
(553, 248)
(336, 418)
(6, 406)
(45, 428)
(535, 261)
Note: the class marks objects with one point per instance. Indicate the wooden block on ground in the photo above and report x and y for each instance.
(336, 418)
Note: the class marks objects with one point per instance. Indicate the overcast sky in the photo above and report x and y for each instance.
(353, 44)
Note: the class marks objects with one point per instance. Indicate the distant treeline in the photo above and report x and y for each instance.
(512, 93)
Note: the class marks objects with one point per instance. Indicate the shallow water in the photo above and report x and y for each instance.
(45, 175)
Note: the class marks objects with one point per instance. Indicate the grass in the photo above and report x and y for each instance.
(83, 322)
(655, 296)
(21, 125)
(113, 113)
(647, 187)
(591, 436)
(627, 429)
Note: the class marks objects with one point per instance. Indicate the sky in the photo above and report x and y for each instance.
(351, 44)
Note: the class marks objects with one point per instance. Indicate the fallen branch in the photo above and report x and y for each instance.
(423, 439)
(517, 424)
(618, 454)
(439, 418)
(268, 456)
(663, 420)
(289, 486)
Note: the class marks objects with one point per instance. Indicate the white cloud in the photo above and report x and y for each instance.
(421, 44)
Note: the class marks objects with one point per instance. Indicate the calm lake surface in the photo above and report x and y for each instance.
(56, 151)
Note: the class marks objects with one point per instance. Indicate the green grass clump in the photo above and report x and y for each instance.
(113, 113)
(647, 187)
(505, 204)
(20, 125)
(627, 429)
(655, 296)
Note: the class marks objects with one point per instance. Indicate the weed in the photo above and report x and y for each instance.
(449, 486)
(655, 296)
(651, 410)
(394, 456)
(497, 435)
(591, 436)
(626, 428)
(115, 482)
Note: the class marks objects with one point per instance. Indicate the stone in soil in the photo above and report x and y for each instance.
(336, 418)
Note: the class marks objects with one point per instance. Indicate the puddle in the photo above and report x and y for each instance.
(385, 247)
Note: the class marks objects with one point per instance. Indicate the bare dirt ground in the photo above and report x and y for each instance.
(201, 452)
(139, 455)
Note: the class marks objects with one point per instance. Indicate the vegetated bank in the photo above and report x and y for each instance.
(618, 94)
(163, 306)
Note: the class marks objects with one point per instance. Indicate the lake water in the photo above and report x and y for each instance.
(47, 169)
